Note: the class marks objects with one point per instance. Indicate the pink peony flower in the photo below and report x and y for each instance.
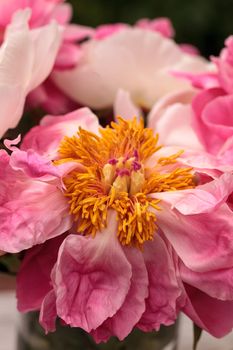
(132, 234)
(35, 51)
(213, 107)
(206, 117)
(133, 59)
(43, 13)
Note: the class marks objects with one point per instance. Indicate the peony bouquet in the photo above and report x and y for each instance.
(116, 208)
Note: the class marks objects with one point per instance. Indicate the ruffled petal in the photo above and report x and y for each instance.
(92, 278)
(164, 298)
(33, 208)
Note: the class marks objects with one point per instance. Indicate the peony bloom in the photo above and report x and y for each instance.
(137, 60)
(35, 52)
(129, 234)
(44, 12)
(209, 112)
(213, 108)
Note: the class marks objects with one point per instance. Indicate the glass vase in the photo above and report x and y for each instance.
(32, 337)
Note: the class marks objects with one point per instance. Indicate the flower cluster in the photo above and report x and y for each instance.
(126, 221)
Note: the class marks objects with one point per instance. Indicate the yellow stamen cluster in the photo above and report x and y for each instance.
(114, 176)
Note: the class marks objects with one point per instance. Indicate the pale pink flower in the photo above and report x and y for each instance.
(43, 12)
(136, 60)
(100, 280)
(35, 52)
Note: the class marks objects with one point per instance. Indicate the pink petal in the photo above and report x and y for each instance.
(161, 25)
(122, 323)
(62, 13)
(92, 278)
(32, 210)
(164, 291)
(74, 32)
(190, 49)
(48, 312)
(34, 62)
(202, 199)
(124, 106)
(51, 99)
(203, 241)
(136, 60)
(217, 284)
(105, 30)
(33, 165)
(45, 138)
(199, 105)
(174, 126)
(34, 274)
(68, 56)
(213, 315)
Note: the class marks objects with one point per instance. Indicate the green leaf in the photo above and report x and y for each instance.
(197, 331)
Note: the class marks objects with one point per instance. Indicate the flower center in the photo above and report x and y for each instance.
(116, 175)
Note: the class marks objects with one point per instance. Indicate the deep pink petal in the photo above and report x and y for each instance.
(91, 278)
(164, 292)
(213, 315)
(34, 274)
(122, 323)
(48, 312)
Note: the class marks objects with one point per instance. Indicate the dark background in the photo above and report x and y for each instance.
(203, 23)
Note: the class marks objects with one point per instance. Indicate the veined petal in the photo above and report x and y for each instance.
(92, 278)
